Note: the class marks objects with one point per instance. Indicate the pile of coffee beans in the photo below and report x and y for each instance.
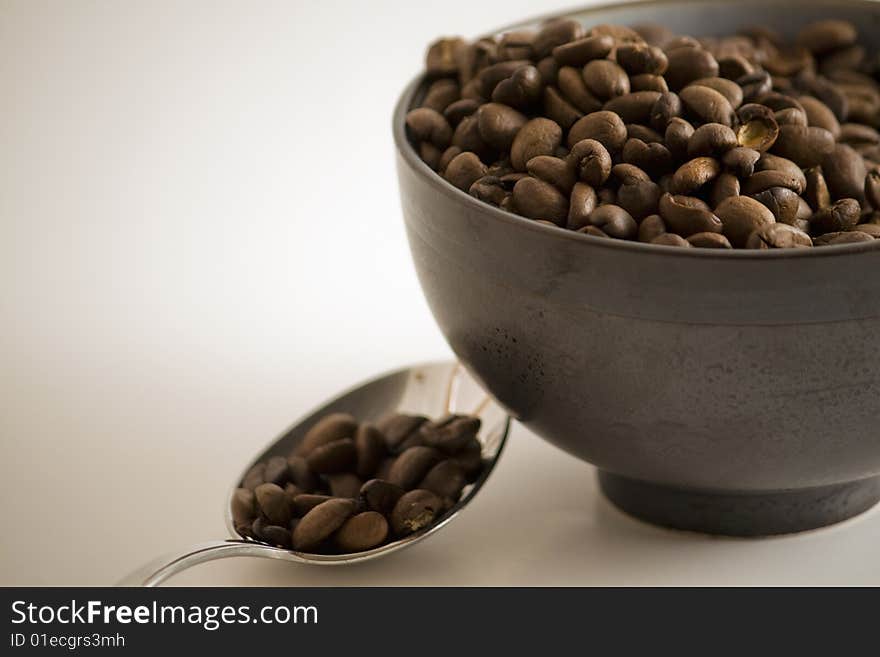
(743, 141)
(349, 486)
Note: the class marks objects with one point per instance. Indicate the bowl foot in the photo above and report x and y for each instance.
(740, 514)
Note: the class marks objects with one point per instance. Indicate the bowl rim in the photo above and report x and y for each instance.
(406, 151)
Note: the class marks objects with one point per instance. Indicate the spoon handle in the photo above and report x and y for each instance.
(160, 569)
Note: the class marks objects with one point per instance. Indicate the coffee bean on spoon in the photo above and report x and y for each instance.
(276, 470)
(415, 511)
(363, 531)
(319, 523)
(380, 495)
(412, 465)
(274, 503)
(369, 450)
(337, 456)
(446, 479)
(300, 475)
(335, 426)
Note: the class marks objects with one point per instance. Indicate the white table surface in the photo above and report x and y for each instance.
(201, 240)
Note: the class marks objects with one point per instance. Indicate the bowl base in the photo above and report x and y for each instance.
(740, 514)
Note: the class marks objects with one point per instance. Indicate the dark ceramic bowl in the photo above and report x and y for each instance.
(733, 392)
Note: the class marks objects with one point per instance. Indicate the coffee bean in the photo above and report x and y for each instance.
(845, 173)
(254, 476)
(782, 202)
(380, 495)
(415, 510)
(727, 88)
(605, 127)
(344, 484)
(471, 459)
(327, 430)
(871, 229)
(537, 199)
(338, 456)
(740, 215)
(755, 85)
(709, 241)
(872, 188)
(467, 137)
(274, 503)
(639, 58)
(758, 128)
(707, 104)
(693, 174)
(826, 35)
(820, 115)
(678, 134)
(643, 132)
(856, 133)
(605, 79)
(671, 239)
(549, 70)
(845, 237)
(426, 124)
(243, 508)
(412, 465)
(654, 158)
(521, 90)
(397, 427)
(648, 82)
(582, 203)
(686, 64)
(591, 161)
(778, 236)
(741, 161)
(431, 155)
(363, 531)
(639, 197)
(446, 480)
(613, 220)
(450, 434)
(464, 170)
(448, 155)
(686, 215)
(319, 523)
(442, 57)
(300, 475)
(498, 124)
(305, 502)
(816, 192)
(292, 490)
(633, 107)
(843, 215)
(553, 170)
(489, 77)
(804, 146)
(276, 471)
(458, 110)
(790, 116)
(275, 535)
(538, 136)
(574, 90)
(441, 94)
(652, 226)
(558, 109)
(710, 139)
(734, 67)
(581, 51)
(724, 186)
(761, 180)
(555, 33)
(666, 107)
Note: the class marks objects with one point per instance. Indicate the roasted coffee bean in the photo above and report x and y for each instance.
(638, 197)
(761, 180)
(845, 173)
(537, 199)
(856, 133)
(734, 67)
(363, 531)
(648, 82)
(755, 85)
(319, 523)
(467, 137)
(458, 110)
(654, 34)
(740, 161)
(549, 69)
(254, 476)
(300, 475)
(415, 510)
(244, 508)
(790, 116)
(710, 139)
(665, 108)
(671, 239)
(451, 433)
(724, 186)
(338, 456)
(643, 132)
(471, 459)
(574, 90)
(804, 146)
(515, 45)
(686, 64)
(707, 104)
(841, 216)
(678, 135)
(489, 77)
(845, 237)
(605, 127)
(441, 94)
(578, 53)
(782, 202)
(727, 88)
(654, 158)
(327, 430)
(820, 115)
(639, 58)
(448, 155)
(740, 216)
(344, 484)
(273, 502)
(539, 136)
(442, 57)
(652, 226)
(555, 33)
(292, 490)
(276, 471)
(693, 174)
(591, 161)
(521, 90)
(446, 479)
(489, 189)
(397, 427)
(634, 107)
(872, 189)
(824, 36)
(304, 503)
(613, 220)
(871, 229)
(426, 124)
(778, 236)
(464, 170)
(686, 215)
(816, 192)
(498, 124)
(770, 162)
(553, 170)
(582, 203)
(605, 79)
(412, 465)
(275, 535)
(558, 109)
(380, 495)
(758, 128)
(709, 241)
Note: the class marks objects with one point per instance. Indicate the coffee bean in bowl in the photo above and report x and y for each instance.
(727, 129)
(353, 486)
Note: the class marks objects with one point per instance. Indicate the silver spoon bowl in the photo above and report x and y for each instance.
(433, 390)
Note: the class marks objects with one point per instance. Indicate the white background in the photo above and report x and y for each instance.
(201, 240)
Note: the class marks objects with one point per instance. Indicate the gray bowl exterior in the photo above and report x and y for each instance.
(727, 373)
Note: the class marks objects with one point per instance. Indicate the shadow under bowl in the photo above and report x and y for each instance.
(732, 392)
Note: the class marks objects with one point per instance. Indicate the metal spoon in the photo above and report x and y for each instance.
(433, 390)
